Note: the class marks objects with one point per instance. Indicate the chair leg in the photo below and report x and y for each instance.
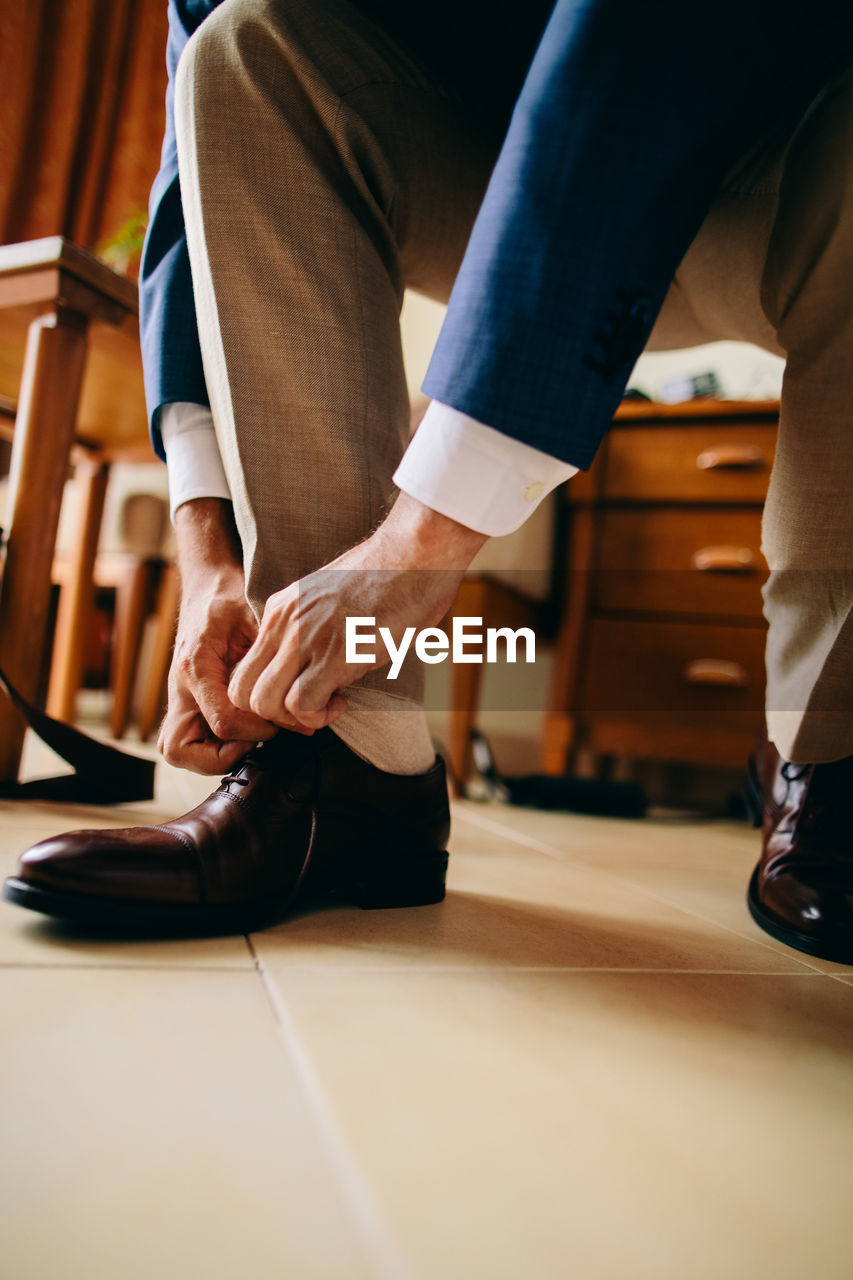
(497, 605)
(77, 592)
(44, 431)
(465, 682)
(131, 599)
(168, 599)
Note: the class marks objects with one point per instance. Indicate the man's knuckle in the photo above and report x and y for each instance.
(220, 725)
(238, 697)
(258, 703)
(299, 711)
(185, 665)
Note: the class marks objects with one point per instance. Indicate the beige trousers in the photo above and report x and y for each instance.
(323, 171)
(773, 265)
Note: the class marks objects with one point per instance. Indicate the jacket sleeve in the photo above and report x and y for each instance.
(171, 356)
(629, 118)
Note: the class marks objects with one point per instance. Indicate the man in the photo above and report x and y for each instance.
(331, 154)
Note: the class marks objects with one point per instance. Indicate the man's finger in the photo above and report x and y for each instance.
(200, 754)
(186, 741)
(213, 758)
(248, 671)
(311, 699)
(226, 721)
(268, 696)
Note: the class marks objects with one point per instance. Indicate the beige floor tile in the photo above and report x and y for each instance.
(510, 905)
(703, 867)
(493, 1087)
(154, 1125)
(595, 1125)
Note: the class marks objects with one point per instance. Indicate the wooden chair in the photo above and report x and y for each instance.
(139, 585)
(69, 342)
(166, 616)
(142, 584)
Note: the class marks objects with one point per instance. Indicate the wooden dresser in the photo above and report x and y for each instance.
(660, 653)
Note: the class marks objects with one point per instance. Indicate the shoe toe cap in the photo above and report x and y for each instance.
(812, 903)
(140, 862)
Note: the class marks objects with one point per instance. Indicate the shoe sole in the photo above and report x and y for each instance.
(423, 886)
(841, 951)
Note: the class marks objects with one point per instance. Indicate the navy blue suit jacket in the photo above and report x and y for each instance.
(171, 356)
(628, 119)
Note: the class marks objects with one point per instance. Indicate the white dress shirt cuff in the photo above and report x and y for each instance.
(193, 461)
(474, 474)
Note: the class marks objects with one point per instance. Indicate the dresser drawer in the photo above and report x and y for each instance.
(681, 561)
(675, 674)
(713, 463)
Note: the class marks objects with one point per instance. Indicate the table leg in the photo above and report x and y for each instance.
(168, 602)
(465, 685)
(133, 592)
(44, 431)
(78, 589)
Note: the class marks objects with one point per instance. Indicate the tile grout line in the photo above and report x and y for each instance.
(376, 1234)
(509, 969)
(423, 969)
(120, 967)
(531, 842)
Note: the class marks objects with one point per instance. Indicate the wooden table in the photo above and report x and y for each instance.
(660, 653)
(69, 360)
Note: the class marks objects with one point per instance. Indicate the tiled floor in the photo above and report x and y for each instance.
(586, 1063)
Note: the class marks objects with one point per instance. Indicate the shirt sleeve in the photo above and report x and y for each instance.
(193, 460)
(475, 475)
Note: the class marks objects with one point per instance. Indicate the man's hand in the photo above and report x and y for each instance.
(202, 730)
(405, 574)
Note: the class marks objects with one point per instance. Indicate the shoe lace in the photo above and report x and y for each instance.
(810, 813)
(258, 759)
(794, 772)
(235, 774)
(232, 777)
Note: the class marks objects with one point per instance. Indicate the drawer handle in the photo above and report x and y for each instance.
(731, 457)
(723, 560)
(716, 672)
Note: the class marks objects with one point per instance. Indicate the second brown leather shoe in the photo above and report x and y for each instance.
(801, 892)
(298, 817)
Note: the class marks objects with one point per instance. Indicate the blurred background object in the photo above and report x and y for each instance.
(81, 117)
(694, 387)
(81, 127)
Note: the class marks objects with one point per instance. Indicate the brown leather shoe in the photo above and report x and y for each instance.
(298, 817)
(801, 892)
